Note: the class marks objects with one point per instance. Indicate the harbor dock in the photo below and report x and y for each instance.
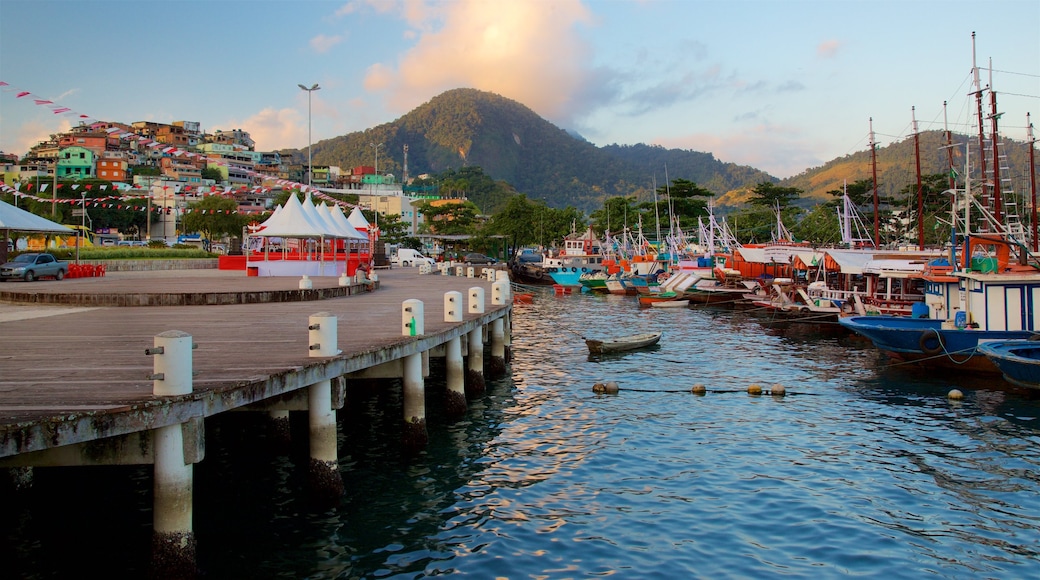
(92, 371)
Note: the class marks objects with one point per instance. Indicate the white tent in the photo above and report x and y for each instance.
(19, 220)
(357, 219)
(341, 221)
(291, 221)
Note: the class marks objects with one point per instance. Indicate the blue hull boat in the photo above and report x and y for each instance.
(924, 340)
(1018, 360)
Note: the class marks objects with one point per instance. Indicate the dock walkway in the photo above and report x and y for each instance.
(71, 372)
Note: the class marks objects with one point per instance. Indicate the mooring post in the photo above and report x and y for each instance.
(454, 365)
(475, 361)
(497, 362)
(173, 540)
(413, 324)
(324, 477)
(507, 322)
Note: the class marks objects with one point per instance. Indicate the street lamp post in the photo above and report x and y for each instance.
(376, 146)
(313, 88)
(82, 221)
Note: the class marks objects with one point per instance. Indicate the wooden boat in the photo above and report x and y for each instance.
(648, 299)
(622, 343)
(1018, 360)
(671, 304)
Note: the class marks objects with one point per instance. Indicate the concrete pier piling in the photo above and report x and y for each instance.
(415, 435)
(475, 386)
(173, 540)
(324, 478)
(454, 369)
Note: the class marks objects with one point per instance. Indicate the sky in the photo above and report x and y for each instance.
(779, 85)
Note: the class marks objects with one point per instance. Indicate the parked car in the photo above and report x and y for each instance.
(529, 256)
(476, 258)
(29, 267)
(410, 257)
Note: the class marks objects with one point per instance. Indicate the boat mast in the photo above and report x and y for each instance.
(873, 164)
(949, 150)
(1032, 177)
(997, 202)
(920, 188)
(982, 137)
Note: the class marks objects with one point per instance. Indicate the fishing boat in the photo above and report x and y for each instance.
(623, 343)
(581, 254)
(1018, 360)
(681, 303)
(984, 300)
(648, 299)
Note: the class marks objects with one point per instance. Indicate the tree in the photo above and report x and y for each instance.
(820, 226)
(392, 229)
(212, 173)
(770, 195)
(214, 217)
(617, 213)
(448, 218)
(683, 199)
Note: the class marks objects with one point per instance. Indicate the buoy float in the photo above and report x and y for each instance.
(754, 389)
(698, 389)
(956, 395)
(778, 390)
(610, 388)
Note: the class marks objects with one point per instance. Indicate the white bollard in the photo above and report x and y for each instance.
(306, 283)
(453, 307)
(501, 275)
(500, 293)
(412, 318)
(476, 300)
(460, 271)
(323, 335)
(470, 271)
(172, 363)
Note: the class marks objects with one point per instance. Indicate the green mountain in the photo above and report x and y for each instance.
(896, 167)
(512, 143)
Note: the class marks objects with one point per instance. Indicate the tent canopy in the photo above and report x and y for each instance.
(19, 220)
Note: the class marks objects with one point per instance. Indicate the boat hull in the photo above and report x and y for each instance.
(622, 344)
(1018, 360)
(925, 341)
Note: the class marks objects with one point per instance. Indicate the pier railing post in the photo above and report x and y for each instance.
(475, 386)
(497, 362)
(173, 539)
(415, 435)
(453, 362)
(324, 476)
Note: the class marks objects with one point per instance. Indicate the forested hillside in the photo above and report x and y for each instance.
(471, 128)
(896, 166)
(466, 127)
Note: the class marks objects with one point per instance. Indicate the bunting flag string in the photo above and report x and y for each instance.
(162, 147)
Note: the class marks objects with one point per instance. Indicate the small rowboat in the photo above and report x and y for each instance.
(671, 303)
(648, 299)
(622, 343)
(1018, 360)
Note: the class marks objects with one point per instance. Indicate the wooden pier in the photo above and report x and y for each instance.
(83, 381)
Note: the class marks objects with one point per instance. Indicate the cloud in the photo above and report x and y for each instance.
(828, 49)
(527, 51)
(31, 133)
(781, 152)
(321, 43)
(274, 129)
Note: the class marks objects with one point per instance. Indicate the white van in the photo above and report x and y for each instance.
(410, 257)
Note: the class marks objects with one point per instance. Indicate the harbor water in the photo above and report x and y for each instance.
(864, 468)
